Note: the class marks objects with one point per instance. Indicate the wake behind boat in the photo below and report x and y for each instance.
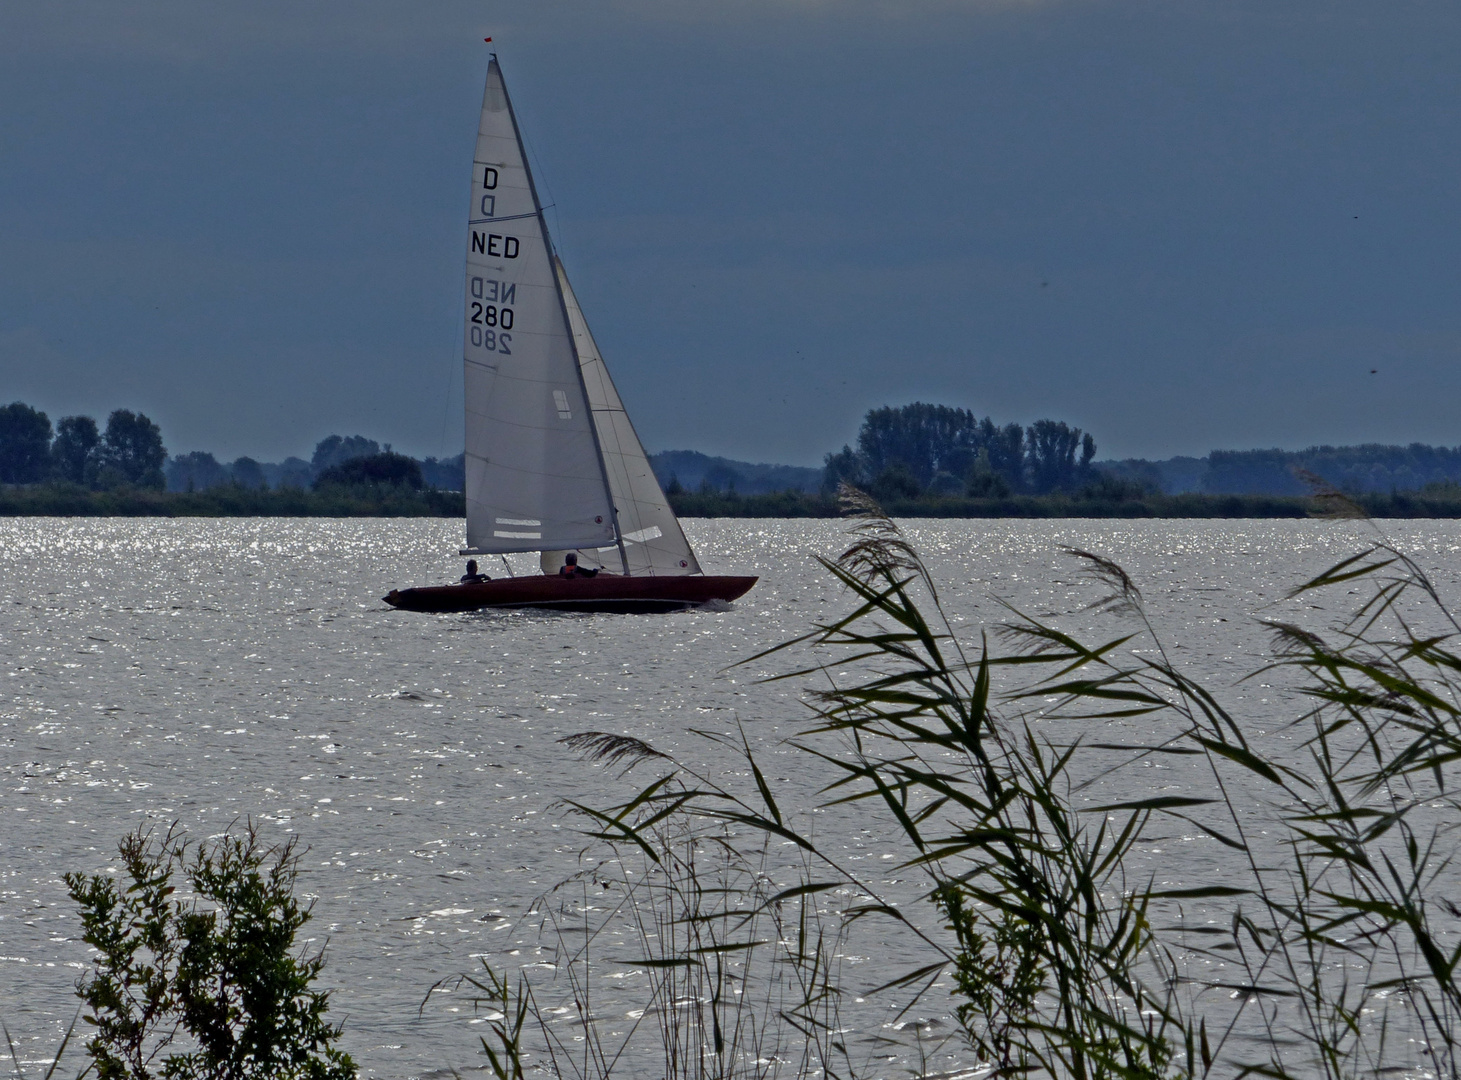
(553, 464)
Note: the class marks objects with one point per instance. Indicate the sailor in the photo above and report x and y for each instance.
(572, 569)
(471, 577)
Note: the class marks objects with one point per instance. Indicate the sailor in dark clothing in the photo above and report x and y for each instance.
(471, 577)
(572, 569)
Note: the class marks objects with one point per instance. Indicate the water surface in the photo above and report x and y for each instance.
(205, 671)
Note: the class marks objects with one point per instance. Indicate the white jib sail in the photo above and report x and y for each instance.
(654, 543)
(535, 479)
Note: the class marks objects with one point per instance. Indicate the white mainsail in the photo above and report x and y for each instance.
(535, 478)
(653, 545)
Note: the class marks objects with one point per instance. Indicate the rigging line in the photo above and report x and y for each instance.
(504, 217)
(540, 175)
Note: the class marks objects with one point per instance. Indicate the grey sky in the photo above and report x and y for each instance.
(1180, 226)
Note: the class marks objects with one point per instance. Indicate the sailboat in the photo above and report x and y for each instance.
(553, 464)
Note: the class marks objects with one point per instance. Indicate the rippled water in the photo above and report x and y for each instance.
(208, 670)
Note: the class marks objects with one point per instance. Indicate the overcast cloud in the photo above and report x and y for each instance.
(1180, 226)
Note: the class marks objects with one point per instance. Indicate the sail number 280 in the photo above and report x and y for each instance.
(491, 315)
(492, 340)
(488, 320)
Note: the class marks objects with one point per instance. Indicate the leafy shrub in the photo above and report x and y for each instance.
(338, 449)
(131, 452)
(25, 441)
(197, 471)
(983, 482)
(896, 482)
(386, 468)
(207, 986)
(246, 472)
(75, 451)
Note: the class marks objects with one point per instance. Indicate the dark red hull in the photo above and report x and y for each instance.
(634, 595)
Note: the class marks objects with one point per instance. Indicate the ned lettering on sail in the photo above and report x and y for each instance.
(503, 247)
(494, 291)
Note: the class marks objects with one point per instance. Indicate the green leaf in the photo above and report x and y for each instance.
(1157, 802)
(1199, 892)
(1242, 756)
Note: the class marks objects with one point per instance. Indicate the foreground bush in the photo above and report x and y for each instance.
(207, 986)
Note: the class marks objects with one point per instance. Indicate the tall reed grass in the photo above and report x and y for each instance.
(1323, 943)
(734, 975)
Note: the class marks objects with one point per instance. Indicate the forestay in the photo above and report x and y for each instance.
(534, 477)
(653, 543)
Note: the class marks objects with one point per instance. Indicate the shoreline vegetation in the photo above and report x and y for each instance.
(385, 499)
(918, 461)
(357, 500)
(1438, 501)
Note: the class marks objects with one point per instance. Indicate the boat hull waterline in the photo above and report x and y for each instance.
(604, 593)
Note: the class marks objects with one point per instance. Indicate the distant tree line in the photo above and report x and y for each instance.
(1358, 469)
(337, 459)
(130, 453)
(918, 450)
(932, 453)
(1366, 469)
(691, 470)
(923, 451)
